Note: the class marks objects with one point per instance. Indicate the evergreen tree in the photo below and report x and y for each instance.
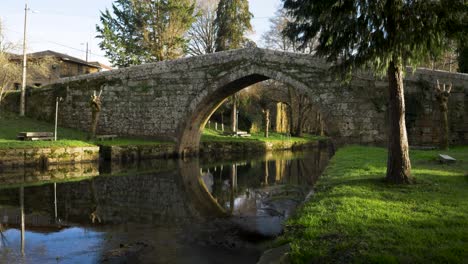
(463, 58)
(232, 21)
(385, 36)
(142, 31)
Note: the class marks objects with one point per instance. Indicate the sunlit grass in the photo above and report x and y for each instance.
(211, 135)
(11, 124)
(356, 217)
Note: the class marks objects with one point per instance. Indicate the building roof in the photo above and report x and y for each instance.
(103, 66)
(61, 56)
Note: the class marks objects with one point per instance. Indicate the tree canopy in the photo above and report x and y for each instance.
(137, 32)
(374, 33)
(385, 36)
(232, 21)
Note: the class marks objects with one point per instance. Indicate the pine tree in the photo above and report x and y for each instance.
(385, 36)
(137, 31)
(232, 22)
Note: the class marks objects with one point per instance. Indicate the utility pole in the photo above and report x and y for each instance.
(87, 50)
(23, 84)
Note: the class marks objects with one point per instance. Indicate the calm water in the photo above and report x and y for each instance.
(207, 210)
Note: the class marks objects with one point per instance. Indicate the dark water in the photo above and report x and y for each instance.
(207, 210)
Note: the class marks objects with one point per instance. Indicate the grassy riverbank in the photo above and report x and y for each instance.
(11, 124)
(211, 135)
(356, 217)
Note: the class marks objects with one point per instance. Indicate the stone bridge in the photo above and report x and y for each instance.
(174, 99)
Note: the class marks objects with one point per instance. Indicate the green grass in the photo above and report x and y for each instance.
(11, 124)
(211, 135)
(355, 217)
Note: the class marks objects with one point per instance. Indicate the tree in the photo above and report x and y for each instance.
(462, 57)
(202, 34)
(275, 39)
(96, 105)
(382, 35)
(442, 97)
(299, 105)
(139, 32)
(11, 71)
(232, 21)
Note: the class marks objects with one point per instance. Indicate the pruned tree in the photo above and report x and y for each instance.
(137, 32)
(385, 36)
(442, 96)
(95, 104)
(202, 34)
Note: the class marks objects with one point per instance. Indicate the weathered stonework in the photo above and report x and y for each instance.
(255, 147)
(40, 157)
(173, 99)
(135, 153)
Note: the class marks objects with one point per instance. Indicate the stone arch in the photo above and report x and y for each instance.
(205, 103)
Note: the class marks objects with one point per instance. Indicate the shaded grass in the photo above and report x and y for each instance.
(356, 217)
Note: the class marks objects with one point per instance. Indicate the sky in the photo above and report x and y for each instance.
(66, 26)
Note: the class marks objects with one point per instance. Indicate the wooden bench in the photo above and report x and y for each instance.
(35, 136)
(105, 137)
(446, 159)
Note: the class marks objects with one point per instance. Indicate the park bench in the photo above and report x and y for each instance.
(237, 134)
(35, 136)
(446, 159)
(105, 137)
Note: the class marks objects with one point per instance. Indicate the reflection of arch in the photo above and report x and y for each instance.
(240, 77)
(196, 190)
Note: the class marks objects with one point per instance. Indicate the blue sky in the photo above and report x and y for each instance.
(65, 25)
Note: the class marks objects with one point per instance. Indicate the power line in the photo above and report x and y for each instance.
(59, 44)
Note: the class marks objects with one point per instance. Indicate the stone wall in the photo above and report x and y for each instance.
(135, 153)
(40, 157)
(172, 100)
(255, 146)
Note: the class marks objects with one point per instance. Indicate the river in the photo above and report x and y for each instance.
(207, 210)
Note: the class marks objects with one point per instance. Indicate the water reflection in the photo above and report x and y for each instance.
(156, 211)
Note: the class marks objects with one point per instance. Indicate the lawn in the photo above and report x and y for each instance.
(11, 124)
(356, 217)
(211, 135)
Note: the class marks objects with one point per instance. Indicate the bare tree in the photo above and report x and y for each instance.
(299, 106)
(11, 66)
(202, 34)
(442, 96)
(275, 39)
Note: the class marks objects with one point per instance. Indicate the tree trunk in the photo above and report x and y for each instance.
(267, 121)
(94, 123)
(234, 114)
(444, 129)
(398, 163)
